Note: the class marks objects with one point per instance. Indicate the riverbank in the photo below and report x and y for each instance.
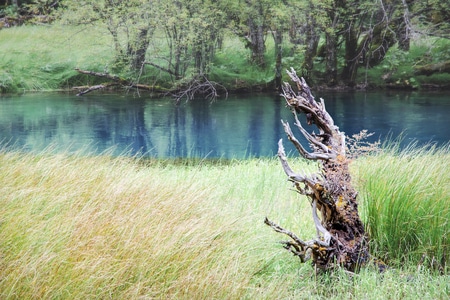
(44, 58)
(76, 226)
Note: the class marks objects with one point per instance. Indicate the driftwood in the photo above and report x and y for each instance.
(88, 89)
(198, 85)
(341, 239)
(114, 81)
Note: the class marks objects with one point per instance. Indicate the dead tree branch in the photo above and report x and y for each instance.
(199, 85)
(95, 87)
(114, 81)
(167, 70)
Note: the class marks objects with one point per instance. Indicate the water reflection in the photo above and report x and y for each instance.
(238, 127)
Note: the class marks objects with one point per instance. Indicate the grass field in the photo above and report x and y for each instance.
(42, 58)
(74, 226)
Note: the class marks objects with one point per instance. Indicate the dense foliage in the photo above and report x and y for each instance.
(330, 40)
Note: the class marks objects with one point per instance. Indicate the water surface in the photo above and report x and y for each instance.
(238, 127)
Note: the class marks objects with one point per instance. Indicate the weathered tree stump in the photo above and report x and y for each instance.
(341, 239)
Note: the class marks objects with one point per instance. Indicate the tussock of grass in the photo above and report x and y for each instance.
(407, 204)
(77, 227)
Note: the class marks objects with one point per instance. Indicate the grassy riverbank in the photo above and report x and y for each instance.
(78, 227)
(42, 58)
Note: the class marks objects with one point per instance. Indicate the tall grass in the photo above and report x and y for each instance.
(80, 227)
(407, 204)
(77, 227)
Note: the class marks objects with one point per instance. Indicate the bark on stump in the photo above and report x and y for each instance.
(341, 239)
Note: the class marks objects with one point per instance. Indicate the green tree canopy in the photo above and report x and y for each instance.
(340, 35)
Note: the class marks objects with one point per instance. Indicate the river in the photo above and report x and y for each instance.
(237, 127)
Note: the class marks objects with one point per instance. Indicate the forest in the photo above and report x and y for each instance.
(207, 46)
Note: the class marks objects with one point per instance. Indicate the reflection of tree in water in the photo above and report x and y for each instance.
(278, 102)
(124, 125)
(255, 130)
(354, 112)
(139, 138)
(203, 134)
(225, 128)
(184, 130)
(177, 136)
(166, 125)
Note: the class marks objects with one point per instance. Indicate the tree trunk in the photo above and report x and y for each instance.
(381, 39)
(255, 39)
(138, 48)
(352, 55)
(312, 42)
(403, 35)
(403, 26)
(341, 239)
(256, 43)
(278, 39)
(331, 59)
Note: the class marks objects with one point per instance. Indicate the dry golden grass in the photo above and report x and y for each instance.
(98, 227)
(80, 227)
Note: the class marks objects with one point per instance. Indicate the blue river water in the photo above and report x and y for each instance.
(237, 127)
